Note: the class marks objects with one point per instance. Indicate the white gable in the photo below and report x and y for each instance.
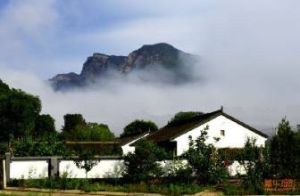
(235, 135)
(126, 148)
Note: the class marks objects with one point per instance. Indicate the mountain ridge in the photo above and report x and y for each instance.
(161, 56)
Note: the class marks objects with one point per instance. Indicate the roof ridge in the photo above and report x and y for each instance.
(195, 118)
(170, 131)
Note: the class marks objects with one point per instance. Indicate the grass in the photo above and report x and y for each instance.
(174, 188)
(27, 194)
(94, 186)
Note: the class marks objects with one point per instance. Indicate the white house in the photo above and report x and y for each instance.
(231, 132)
(173, 137)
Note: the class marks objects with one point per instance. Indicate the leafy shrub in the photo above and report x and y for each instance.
(205, 160)
(142, 164)
(251, 159)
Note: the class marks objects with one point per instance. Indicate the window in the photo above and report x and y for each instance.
(222, 132)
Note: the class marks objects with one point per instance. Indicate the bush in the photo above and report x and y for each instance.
(251, 159)
(205, 160)
(142, 164)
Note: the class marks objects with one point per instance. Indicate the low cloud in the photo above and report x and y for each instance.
(117, 100)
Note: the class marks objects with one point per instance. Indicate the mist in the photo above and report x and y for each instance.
(117, 100)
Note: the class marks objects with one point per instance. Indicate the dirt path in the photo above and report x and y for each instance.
(44, 192)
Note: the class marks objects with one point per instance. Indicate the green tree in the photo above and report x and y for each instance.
(100, 132)
(71, 121)
(48, 145)
(283, 151)
(18, 113)
(182, 116)
(253, 160)
(86, 159)
(142, 165)
(91, 132)
(137, 127)
(205, 160)
(4, 88)
(44, 125)
(297, 154)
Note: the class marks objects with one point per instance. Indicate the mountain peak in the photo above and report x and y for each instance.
(159, 48)
(161, 45)
(100, 55)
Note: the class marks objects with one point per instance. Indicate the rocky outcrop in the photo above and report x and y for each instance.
(159, 56)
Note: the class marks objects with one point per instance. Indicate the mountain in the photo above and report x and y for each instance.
(150, 62)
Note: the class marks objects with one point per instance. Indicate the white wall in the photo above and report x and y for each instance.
(171, 166)
(103, 169)
(28, 169)
(235, 135)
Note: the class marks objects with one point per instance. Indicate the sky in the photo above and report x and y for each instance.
(249, 54)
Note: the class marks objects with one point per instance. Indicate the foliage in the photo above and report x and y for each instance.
(18, 112)
(4, 88)
(139, 126)
(52, 183)
(89, 185)
(86, 160)
(180, 171)
(284, 152)
(252, 160)
(205, 160)
(182, 116)
(49, 145)
(3, 148)
(101, 149)
(44, 125)
(229, 155)
(297, 154)
(20, 121)
(77, 129)
(71, 121)
(142, 165)
(91, 132)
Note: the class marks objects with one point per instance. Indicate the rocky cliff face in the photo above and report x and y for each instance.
(161, 57)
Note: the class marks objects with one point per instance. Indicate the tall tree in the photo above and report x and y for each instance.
(18, 113)
(297, 154)
(283, 151)
(44, 125)
(91, 132)
(71, 121)
(139, 126)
